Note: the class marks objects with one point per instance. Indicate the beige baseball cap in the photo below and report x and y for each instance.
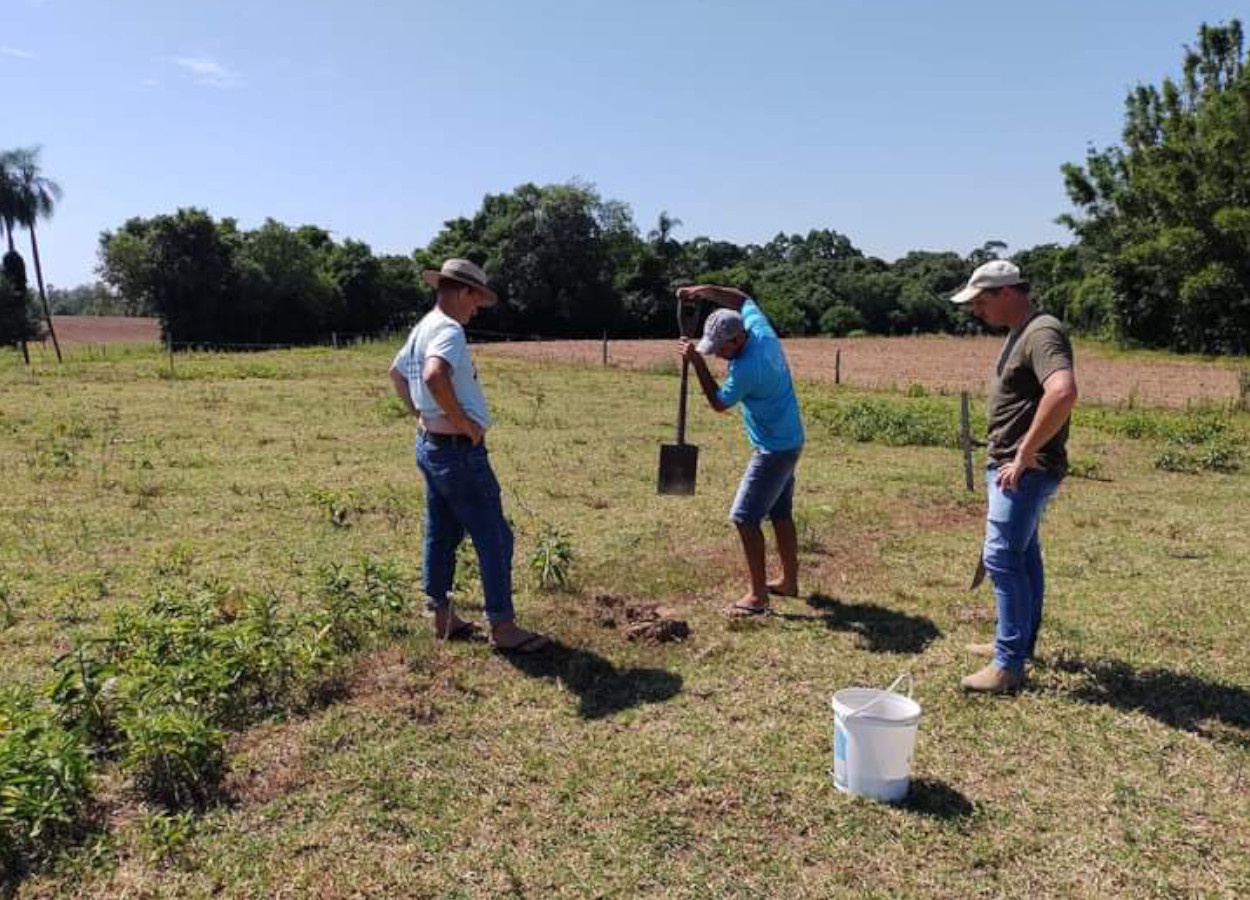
(996, 273)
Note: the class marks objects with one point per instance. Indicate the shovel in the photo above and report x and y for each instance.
(679, 463)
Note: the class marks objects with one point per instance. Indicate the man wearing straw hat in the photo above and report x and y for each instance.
(434, 376)
(1032, 393)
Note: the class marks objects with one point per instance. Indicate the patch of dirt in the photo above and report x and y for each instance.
(266, 762)
(106, 330)
(976, 612)
(938, 363)
(848, 556)
(942, 515)
(650, 623)
(385, 681)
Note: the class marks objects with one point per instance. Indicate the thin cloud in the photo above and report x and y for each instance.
(16, 53)
(208, 71)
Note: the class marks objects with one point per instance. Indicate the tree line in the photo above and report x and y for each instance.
(1161, 255)
(211, 282)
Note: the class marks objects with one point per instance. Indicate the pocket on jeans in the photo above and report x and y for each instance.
(440, 462)
(998, 504)
(483, 475)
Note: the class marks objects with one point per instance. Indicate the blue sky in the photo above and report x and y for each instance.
(904, 124)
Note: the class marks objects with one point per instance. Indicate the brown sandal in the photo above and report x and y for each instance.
(532, 644)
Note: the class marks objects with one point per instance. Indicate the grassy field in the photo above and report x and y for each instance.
(613, 769)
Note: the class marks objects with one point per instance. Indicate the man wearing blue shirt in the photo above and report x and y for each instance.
(759, 379)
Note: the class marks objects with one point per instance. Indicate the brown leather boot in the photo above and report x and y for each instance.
(982, 650)
(992, 680)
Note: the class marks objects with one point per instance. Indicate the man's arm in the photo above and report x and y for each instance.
(707, 381)
(1058, 400)
(400, 382)
(722, 296)
(436, 374)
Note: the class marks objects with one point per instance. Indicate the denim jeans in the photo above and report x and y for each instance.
(767, 487)
(1013, 559)
(462, 495)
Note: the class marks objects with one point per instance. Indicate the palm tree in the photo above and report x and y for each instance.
(8, 219)
(661, 237)
(8, 200)
(33, 197)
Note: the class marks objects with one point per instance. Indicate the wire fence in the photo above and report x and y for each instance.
(41, 349)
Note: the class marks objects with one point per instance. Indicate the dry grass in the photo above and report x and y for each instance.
(613, 768)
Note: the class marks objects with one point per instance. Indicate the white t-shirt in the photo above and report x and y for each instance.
(438, 334)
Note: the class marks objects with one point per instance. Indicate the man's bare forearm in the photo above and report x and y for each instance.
(403, 391)
(707, 381)
(1056, 405)
(722, 296)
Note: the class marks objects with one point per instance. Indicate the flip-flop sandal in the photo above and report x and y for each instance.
(465, 631)
(777, 593)
(745, 611)
(535, 643)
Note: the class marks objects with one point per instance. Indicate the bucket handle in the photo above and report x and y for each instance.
(906, 676)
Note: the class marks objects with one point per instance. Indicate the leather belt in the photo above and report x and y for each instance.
(446, 440)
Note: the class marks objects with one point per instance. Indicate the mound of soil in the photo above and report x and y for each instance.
(650, 623)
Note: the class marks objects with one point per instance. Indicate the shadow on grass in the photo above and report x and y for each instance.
(601, 687)
(1185, 702)
(936, 799)
(880, 630)
(19, 862)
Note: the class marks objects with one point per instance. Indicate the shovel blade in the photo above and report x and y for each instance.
(978, 575)
(679, 466)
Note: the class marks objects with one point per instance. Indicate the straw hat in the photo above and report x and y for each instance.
(463, 271)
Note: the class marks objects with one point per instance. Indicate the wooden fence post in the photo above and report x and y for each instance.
(965, 438)
(837, 366)
(605, 349)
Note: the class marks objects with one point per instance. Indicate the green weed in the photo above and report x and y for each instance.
(552, 562)
(44, 781)
(174, 754)
(896, 423)
(359, 607)
(8, 605)
(339, 507)
(167, 835)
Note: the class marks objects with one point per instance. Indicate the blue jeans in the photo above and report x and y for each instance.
(767, 487)
(1013, 559)
(462, 495)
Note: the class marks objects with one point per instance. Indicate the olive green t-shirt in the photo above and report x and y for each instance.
(1030, 356)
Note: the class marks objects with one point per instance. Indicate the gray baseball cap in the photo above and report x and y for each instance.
(996, 273)
(721, 326)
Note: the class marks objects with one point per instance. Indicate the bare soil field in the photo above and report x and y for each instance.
(937, 363)
(106, 330)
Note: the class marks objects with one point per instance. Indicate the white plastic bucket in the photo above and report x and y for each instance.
(874, 734)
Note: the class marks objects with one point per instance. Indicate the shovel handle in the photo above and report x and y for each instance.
(687, 325)
(681, 401)
(688, 317)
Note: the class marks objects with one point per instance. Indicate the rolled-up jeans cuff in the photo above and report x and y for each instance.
(1014, 668)
(434, 605)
